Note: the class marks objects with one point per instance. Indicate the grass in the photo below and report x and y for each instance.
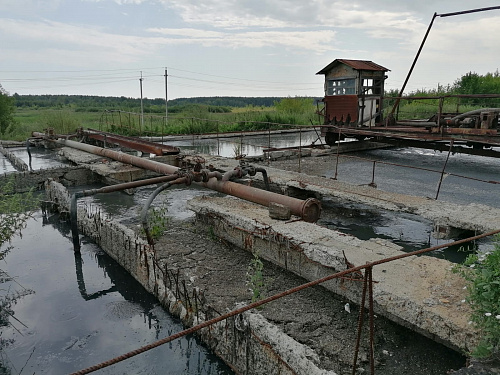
(66, 121)
(482, 273)
(289, 112)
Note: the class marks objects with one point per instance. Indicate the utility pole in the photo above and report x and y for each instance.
(142, 106)
(166, 97)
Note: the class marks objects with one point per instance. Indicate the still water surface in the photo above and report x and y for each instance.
(87, 309)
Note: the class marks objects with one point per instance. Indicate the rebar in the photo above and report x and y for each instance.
(256, 304)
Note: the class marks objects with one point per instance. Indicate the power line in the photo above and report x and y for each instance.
(238, 79)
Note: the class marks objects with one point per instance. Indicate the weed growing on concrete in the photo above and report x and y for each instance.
(236, 150)
(255, 277)
(158, 221)
(482, 272)
(211, 234)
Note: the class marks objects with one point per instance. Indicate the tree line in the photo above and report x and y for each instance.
(98, 103)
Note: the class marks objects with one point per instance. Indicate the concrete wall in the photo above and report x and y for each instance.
(19, 164)
(420, 293)
(68, 176)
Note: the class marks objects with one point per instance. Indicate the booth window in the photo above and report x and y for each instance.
(341, 87)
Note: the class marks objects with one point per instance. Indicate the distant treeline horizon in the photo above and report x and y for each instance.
(94, 102)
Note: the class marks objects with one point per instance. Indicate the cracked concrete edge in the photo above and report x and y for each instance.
(419, 293)
(300, 357)
(18, 163)
(27, 180)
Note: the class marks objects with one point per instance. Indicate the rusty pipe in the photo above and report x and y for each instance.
(127, 185)
(309, 210)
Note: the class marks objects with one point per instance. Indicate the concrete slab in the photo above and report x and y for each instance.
(111, 171)
(418, 292)
(475, 217)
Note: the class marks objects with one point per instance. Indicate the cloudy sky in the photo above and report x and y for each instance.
(234, 47)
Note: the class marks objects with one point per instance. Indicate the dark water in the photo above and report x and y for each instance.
(423, 183)
(86, 309)
(41, 158)
(127, 208)
(412, 232)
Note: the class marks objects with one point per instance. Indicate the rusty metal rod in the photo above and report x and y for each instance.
(309, 210)
(396, 103)
(360, 323)
(444, 168)
(270, 299)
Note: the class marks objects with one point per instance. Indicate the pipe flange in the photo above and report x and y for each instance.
(204, 175)
(311, 210)
(189, 179)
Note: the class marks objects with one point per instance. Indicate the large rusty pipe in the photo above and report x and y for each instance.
(309, 210)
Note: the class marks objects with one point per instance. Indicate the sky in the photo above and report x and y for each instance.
(235, 47)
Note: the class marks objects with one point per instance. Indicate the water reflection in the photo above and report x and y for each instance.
(246, 145)
(41, 159)
(75, 322)
(409, 231)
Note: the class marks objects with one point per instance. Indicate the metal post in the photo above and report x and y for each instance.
(338, 151)
(192, 131)
(300, 148)
(218, 140)
(372, 324)
(268, 140)
(360, 323)
(444, 167)
(440, 113)
(373, 184)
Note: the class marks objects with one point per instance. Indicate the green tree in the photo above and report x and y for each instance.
(6, 111)
(473, 83)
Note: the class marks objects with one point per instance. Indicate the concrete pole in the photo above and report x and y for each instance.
(142, 106)
(166, 97)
